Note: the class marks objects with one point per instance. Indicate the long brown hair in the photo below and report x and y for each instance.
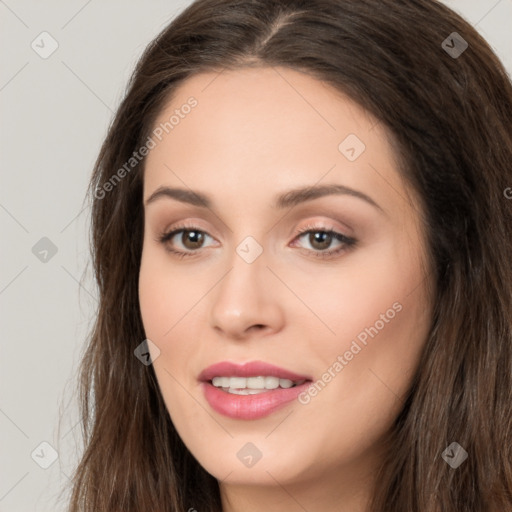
(450, 115)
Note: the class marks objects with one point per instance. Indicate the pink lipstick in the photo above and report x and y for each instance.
(252, 390)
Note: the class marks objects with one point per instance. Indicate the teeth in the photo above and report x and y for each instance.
(274, 382)
(252, 385)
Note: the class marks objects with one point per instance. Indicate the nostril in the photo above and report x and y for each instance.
(258, 327)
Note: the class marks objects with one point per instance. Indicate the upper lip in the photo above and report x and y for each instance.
(250, 369)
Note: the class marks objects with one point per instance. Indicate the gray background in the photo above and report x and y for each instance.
(54, 115)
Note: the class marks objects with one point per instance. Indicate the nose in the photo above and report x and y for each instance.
(246, 301)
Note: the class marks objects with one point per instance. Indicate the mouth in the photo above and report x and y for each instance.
(253, 385)
(252, 390)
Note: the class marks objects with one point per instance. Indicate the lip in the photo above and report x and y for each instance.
(250, 407)
(250, 369)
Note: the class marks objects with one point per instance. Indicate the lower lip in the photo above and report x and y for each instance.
(250, 407)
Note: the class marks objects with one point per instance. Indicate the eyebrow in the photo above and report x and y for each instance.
(287, 200)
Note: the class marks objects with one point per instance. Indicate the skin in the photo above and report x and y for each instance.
(254, 134)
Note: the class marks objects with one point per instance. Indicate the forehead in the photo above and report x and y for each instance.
(266, 128)
(253, 105)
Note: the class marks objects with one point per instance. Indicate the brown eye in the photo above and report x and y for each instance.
(186, 241)
(320, 240)
(325, 243)
(192, 239)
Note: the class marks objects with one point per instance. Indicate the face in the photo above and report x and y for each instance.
(292, 241)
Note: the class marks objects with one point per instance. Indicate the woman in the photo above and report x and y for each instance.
(301, 241)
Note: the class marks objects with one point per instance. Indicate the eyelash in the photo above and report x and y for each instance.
(347, 242)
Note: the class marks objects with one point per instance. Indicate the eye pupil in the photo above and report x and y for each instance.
(192, 239)
(320, 237)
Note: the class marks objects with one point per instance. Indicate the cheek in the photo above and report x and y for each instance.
(373, 288)
(166, 294)
(369, 328)
(365, 370)
(172, 311)
(166, 305)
